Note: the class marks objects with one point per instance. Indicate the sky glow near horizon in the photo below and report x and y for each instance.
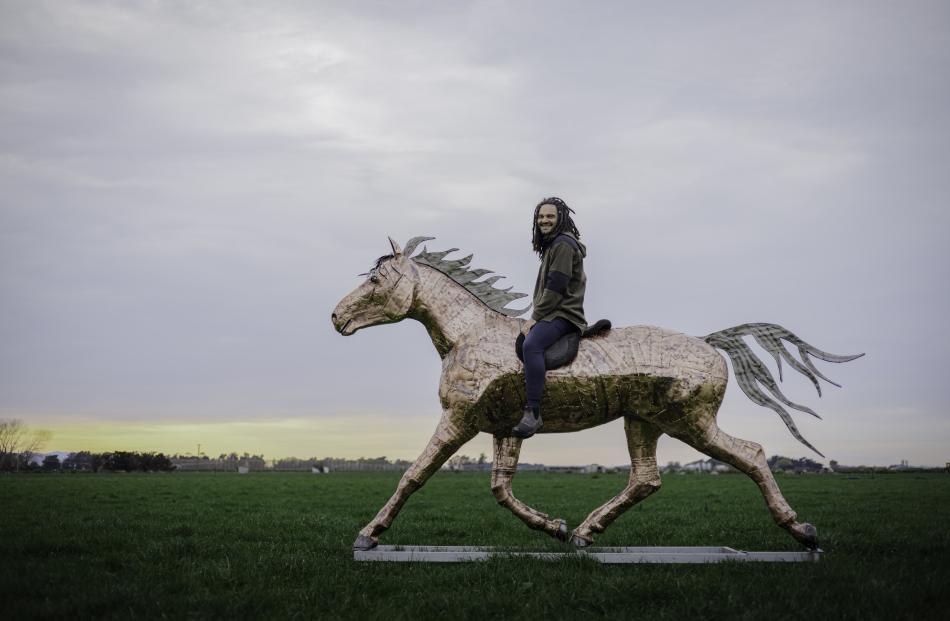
(189, 189)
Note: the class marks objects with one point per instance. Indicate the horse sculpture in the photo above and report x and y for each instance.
(658, 380)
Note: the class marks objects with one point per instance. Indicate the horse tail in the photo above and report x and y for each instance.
(750, 371)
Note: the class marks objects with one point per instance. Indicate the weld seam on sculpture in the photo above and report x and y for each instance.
(659, 381)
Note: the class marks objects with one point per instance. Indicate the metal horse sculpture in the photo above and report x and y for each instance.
(658, 380)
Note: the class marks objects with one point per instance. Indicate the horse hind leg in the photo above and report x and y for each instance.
(644, 479)
(504, 466)
(749, 458)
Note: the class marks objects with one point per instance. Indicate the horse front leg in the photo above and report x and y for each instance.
(504, 466)
(449, 436)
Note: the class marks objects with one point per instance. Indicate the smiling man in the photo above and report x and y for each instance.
(558, 300)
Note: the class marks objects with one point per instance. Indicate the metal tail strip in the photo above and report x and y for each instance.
(750, 371)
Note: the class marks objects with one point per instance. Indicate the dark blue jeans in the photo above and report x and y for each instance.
(542, 335)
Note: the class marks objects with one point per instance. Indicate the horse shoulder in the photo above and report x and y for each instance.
(470, 369)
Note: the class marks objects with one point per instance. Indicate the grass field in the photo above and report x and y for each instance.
(271, 545)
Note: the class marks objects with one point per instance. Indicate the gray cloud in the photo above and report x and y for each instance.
(189, 190)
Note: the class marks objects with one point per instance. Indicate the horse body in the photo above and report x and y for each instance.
(637, 370)
(659, 381)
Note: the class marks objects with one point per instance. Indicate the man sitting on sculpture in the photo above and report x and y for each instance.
(558, 300)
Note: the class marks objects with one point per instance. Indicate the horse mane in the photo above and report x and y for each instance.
(496, 299)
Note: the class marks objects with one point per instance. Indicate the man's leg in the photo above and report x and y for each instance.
(542, 335)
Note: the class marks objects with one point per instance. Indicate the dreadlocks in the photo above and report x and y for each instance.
(564, 223)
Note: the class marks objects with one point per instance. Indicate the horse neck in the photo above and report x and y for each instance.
(448, 310)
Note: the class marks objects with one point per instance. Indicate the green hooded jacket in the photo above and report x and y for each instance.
(559, 290)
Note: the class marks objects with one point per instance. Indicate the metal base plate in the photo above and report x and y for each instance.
(463, 554)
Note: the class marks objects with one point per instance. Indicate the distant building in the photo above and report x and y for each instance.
(707, 466)
(562, 469)
(588, 469)
(471, 467)
(526, 466)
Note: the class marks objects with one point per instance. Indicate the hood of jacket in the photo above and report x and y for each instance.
(579, 243)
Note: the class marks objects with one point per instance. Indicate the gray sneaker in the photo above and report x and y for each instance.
(529, 424)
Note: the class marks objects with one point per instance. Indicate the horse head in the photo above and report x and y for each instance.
(384, 297)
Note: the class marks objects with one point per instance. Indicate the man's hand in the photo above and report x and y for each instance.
(527, 326)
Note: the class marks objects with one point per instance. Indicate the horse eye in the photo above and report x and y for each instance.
(374, 279)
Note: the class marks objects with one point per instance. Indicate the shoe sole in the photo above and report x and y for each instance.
(521, 436)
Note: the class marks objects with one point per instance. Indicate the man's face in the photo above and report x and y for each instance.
(547, 218)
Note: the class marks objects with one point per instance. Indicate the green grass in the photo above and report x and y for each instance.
(269, 545)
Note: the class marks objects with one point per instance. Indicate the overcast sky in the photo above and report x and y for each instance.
(188, 189)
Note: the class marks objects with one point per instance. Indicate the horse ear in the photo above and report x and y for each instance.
(397, 251)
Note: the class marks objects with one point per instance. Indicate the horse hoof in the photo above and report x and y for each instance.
(811, 537)
(580, 542)
(806, 534)
(364, 543)
(561, 533)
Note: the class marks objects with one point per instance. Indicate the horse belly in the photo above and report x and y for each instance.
(572, 405)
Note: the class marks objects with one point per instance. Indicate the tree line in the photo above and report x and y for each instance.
(115, 461)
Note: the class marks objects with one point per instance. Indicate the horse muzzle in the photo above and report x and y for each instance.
(343, 326)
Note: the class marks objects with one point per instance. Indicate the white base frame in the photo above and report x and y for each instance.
(463, 554)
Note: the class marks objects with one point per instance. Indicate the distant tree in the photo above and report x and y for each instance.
(805, 464)
(786, 464)
(51, 463)
(457, 462)
(129, 461)
(164, 463)
(99, 461)
(78, 462)
(18, 443)
(124, 461)
(146, 462)
(155, 462)
(780, 462)
(482, 459)
(103, 461)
